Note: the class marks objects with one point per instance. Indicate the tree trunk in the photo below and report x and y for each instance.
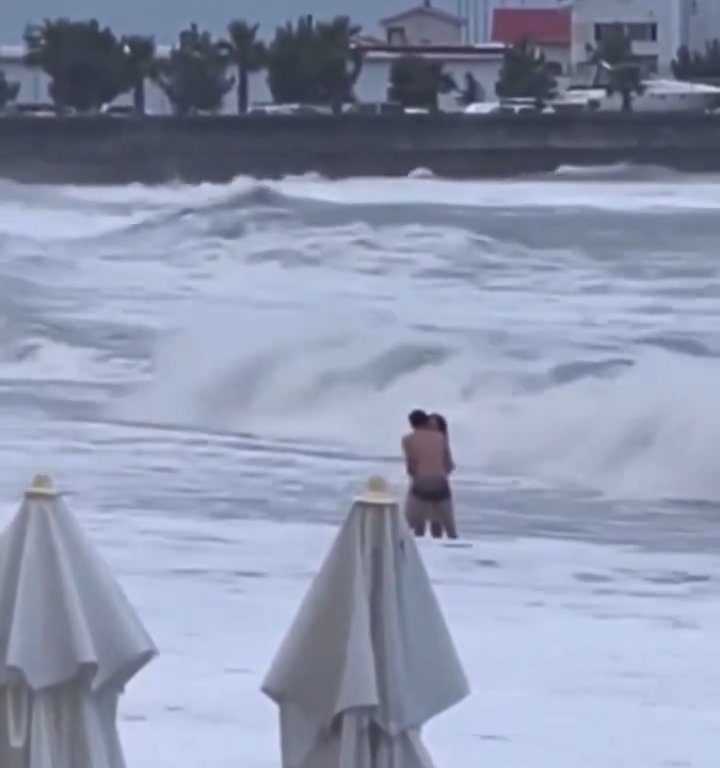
(55, 91)
(243, 90)
(357, 66)
(139, 96)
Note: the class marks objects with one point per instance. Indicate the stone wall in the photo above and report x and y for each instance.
(109, 150)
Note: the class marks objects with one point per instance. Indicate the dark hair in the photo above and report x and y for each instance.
(418, 418)
(441, 422)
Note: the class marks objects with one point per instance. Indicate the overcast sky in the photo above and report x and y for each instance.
(165, 18)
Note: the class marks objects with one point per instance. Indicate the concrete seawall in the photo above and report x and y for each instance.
(108, 150)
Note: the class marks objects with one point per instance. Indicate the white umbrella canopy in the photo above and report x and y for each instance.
(69, 642)
(368, 659)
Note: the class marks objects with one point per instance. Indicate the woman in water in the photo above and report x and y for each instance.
(438, 422)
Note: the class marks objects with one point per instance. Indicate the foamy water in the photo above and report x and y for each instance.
(201, 366)
(569, 329)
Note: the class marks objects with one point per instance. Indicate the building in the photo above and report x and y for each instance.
(565, 30)
(548, 29)
(33, 83)
(657, 28)
(436, 34)
(482, 62)
(703, 23)
(423, 30)
(423, 25)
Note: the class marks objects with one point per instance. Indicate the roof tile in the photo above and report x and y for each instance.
(542, 26)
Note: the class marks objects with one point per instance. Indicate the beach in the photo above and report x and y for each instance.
(211, 372)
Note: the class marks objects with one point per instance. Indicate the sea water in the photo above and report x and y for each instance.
(211, 372)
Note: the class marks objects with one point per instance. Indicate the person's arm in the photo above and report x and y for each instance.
(408, 460)
(449, 462)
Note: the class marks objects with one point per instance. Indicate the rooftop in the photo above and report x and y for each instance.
(444, 52)
(427, 9)
(542, 26)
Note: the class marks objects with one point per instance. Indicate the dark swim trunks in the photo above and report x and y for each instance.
(431, 489)
(429, 500)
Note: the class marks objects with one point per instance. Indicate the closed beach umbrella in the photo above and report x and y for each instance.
(69, 642)
(368, 659)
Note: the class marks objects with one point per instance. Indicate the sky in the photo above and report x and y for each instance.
(165, 18)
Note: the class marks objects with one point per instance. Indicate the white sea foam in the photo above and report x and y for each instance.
(564, 348)
(576, 655)
(570, 331)
(602, 188)
(629, 196)
(644, 430)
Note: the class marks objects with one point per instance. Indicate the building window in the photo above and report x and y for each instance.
(396, 36)
(640, 32)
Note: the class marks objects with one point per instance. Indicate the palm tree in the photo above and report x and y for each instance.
(341, 61)
(194, 77)
(140, 53)
(525, 74)
(616, 64)
(86, 63)
(248, 54)
(314, 63)
(417, 82)
(694, 65)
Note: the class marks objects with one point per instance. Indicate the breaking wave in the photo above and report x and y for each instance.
(619, 172)
(641, 427)
(570, 333)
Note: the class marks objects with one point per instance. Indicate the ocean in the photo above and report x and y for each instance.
(211, 373)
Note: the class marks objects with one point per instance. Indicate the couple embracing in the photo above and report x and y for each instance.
(429, 464)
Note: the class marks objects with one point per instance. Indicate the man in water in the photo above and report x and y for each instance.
(429, 464)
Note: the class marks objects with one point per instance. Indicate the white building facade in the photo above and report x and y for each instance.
(423, 25)
(482, 62)
(703, 24)
(657, 28)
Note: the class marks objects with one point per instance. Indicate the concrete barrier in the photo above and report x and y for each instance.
(114, 150)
